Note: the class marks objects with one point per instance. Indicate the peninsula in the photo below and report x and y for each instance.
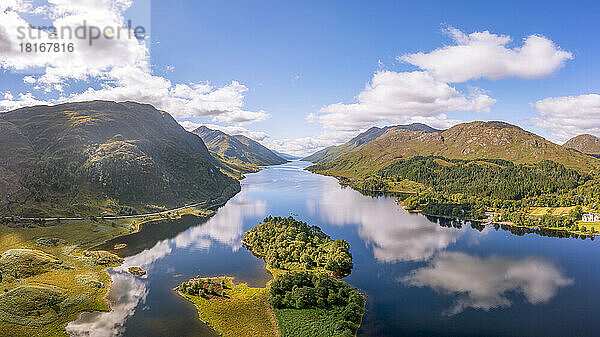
(304, 299)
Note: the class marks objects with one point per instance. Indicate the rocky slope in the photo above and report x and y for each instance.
(475, 140)
(99, 157)
(237, 151)
(331, 153)
(585, 144)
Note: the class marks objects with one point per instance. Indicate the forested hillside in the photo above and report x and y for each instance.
(495, 179)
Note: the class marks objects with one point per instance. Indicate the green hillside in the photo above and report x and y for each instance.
(238, 154)
(585, 144)
(484, 171)
(101, 157)
(261, 154)
(467, 141)
(332, 153)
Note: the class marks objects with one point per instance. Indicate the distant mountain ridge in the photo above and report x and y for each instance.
(331, 153)
(585, 143)
(238, 152)
(98, 156)
(285, 155)
(475, 140)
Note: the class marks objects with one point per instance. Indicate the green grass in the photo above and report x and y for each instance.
(588, 225)
(55, 280)
(52, 260)
(43, 304)
(20, 263)
(403, 186)
(83, 234)
(553, 211)
(307, 322)
(245, 311)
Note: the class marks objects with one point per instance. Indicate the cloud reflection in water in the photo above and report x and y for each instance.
(484, 283)
(125, 294)
(128, 291)
(394, 234)
(225, 227)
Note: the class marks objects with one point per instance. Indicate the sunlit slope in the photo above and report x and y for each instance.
(475, 140)
(94, 157)
(585, 144)
(332, 153)
(238, 151)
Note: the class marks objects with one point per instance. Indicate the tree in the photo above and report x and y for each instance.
(289, 244)
(576, 213)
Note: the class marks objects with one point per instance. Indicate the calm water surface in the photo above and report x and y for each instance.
(422, 277)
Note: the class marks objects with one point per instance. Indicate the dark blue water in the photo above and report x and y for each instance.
(421, 277)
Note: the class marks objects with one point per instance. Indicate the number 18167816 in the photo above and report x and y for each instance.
(47, 47)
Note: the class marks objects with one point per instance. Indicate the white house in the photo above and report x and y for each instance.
(490, 216)
(590, 217)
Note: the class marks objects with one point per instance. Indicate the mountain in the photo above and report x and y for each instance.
(285, 155)
(331, 153)
(587, 144)
(475, 140)
(97, 157)
(238, 151)
(262, 155)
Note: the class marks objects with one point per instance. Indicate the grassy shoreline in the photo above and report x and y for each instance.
(80, 281)
(232, 309)
(240, 311)
(512, 224)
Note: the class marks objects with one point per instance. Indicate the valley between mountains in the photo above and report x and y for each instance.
(75, 175)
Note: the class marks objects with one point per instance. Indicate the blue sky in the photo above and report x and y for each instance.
(294, 58)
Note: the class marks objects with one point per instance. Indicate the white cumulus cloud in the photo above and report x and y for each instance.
(426, 96)
(486, 55)
(569, 116)
(10, 102)
(116, 65)
(402, 97)
(70, 19)
(304, 146)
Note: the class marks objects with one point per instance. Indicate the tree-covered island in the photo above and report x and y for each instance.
(288, 244)
(303, 299)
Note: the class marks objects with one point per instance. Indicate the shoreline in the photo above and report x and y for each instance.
(234, 285)
(482, 221)
(505, 223)
(216, 312)
(215, 203)
(139, 228)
